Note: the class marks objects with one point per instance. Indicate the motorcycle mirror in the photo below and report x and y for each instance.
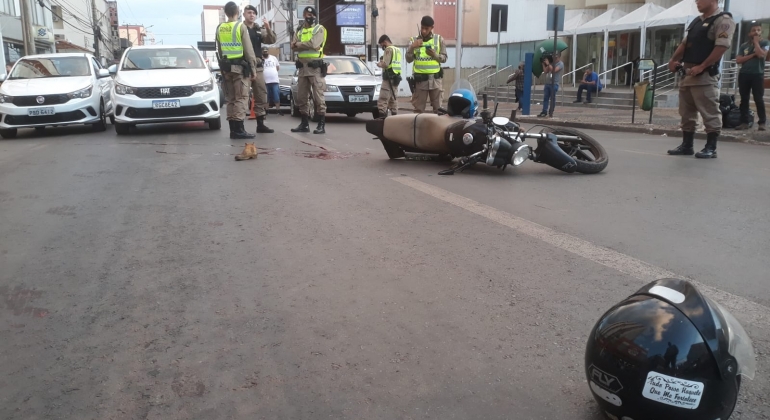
(501, 121)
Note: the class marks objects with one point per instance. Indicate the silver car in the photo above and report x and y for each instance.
(351, 88)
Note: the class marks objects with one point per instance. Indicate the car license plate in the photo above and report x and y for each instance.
(358, 98)
(166, 104)
(36, 112)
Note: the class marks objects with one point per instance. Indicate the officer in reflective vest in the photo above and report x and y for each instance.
(236, 61)
(427, 52)
(309, 44)
(258, 88)
(697, 58)
(391, 77)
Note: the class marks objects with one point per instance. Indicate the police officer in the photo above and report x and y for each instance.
(427, 52)
(236, 61)
(698, 56)
(391, 76)
(257, 36)
(309, 43)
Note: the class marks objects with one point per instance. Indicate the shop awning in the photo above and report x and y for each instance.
(681, 13)
(576, 22)
(638, 19)
(602, 22)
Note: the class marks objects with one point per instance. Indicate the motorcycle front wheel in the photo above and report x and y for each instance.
(590, 156)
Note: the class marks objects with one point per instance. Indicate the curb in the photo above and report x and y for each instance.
(629, 129)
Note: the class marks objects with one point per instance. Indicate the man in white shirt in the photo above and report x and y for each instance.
(271, 68)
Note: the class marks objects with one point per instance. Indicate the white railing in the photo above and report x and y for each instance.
(611, 70)
(479, 79)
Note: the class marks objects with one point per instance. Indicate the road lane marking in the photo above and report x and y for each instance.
(747, 311)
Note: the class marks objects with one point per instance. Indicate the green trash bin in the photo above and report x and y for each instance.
(643, 95)
(647, 104)
(544, 47)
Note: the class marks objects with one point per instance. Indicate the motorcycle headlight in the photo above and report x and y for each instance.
(501, 153)
(332, 88)
(123, 89)
(204, 87)
(82, 93)
(521, 154)
(5, 99)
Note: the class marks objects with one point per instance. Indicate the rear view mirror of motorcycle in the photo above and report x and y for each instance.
(500, 121)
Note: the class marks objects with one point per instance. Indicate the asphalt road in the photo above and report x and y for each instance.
(151, 276)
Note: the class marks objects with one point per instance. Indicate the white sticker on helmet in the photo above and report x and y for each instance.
(606, 395)
(673, 391)
(667, 293)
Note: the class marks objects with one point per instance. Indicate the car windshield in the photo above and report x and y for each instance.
(37, 68)
(287, 69)
(346, 66)
(169, 58)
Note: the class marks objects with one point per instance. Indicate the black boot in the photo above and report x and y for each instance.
(686, 147)
(239, 131)
(321, 129)
(261, 127)
(303, 127)
(710, 151)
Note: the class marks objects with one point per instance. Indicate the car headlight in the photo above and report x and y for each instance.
(82, 93)
(204, 87)
(332, 88)
(123, 89)
(5, 99)
(377, 89)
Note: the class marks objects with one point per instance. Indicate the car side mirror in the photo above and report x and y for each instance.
(113, 69)
(103, 73)
(3, 77)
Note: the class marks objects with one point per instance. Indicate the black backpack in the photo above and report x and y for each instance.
(731, 113)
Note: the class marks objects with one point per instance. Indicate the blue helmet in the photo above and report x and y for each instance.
(462, 103)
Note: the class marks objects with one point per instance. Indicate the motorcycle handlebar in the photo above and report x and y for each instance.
(484, 96)
(514, 134)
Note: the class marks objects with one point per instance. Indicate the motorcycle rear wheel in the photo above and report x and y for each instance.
(590, 156)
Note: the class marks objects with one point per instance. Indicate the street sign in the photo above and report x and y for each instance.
(496, 18)
(559, 26)
(207, 46)
(353, 35)
(351, 14)
(355, 49)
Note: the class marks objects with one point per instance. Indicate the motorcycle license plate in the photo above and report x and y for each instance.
(358, 98)
(37, 112)
(166, 104)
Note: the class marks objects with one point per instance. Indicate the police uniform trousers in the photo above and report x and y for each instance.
(430, 89)
(259, 93)
(388, 99)
(236, 95)
(701, 96)
(309, 83)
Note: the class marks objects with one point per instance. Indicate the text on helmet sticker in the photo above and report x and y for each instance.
(673, 391)
(604, 379)
(605, 395)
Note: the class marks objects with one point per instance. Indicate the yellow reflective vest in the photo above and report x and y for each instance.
(423, 63)
(230, 42)
(305, 35)
(395, 59)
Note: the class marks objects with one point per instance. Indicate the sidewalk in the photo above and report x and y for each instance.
(664, 121)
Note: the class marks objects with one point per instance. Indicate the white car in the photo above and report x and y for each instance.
(53, 90)
(164, 83)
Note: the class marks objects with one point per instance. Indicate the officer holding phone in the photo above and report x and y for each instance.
(427, 52)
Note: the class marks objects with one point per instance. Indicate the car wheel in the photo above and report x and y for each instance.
(112, 119)
(9, 133)
(121, 128)
(215, 124)
(102, 124)
(351, 114)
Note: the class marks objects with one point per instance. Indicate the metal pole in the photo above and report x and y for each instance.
(552, 104)
(497, 58)
(95, 28)
(26, 27)
(654, 77)
(374, 32)
(459, 43)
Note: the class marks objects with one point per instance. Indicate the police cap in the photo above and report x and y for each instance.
(252, 8)
(311, 10)
(427, 21)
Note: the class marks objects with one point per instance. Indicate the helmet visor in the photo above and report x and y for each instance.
(739, 343)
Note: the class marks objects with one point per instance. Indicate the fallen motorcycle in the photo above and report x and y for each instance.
(495, 141)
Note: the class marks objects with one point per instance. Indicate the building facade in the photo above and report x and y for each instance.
(10, 25)
(73, 23)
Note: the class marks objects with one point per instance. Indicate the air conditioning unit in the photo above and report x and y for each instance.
(60, 37)
(56, 13)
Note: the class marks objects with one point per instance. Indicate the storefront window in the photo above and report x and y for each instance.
(8, 7)
(12, 51)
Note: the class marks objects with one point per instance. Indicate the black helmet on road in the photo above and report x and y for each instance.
(668, 352)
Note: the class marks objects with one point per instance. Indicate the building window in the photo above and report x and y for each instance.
(8, 7)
